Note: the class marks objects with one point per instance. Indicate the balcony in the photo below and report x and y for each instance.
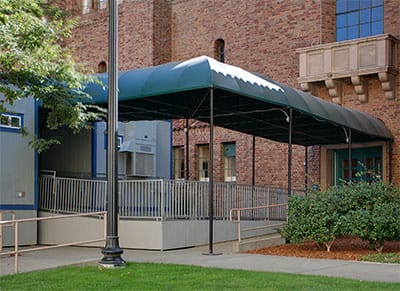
(354, 59)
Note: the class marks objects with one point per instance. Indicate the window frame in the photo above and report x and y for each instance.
(178, 173)
(358, 12)
(9, 127)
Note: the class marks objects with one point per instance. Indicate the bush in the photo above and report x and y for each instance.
(370, 210)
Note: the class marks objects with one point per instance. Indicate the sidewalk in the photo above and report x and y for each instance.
(195, 256)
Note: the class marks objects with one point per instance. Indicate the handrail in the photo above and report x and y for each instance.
(1, 226)
(238, 221)
(16, 222)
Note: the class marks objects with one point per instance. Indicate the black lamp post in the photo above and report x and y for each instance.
(112, 252)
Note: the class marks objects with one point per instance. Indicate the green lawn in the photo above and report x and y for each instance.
(176, 277)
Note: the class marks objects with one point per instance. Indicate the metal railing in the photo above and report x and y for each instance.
(16, 252)
(274, 213)
(160, 199)
(12, 213)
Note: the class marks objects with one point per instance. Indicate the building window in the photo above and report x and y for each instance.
(179, 163)
(358, 18)
(219, 48)
(203, 160)
(13, 122)
(366, 164)
(229, 150)
(102, 67)
(102, 4)
(87, 6)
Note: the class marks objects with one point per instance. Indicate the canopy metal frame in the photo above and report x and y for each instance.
(238, 100)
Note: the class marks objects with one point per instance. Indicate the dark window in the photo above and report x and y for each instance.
(179, 162)
(358, 18)
(102, 67)
(219, 47)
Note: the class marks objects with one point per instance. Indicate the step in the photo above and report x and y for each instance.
(259, 242)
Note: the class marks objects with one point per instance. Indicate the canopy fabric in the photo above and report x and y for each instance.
(243, 101)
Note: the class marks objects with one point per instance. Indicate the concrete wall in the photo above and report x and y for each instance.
(142, 234)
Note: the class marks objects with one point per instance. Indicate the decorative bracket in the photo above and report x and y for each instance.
(388, 84)
(309, 88)
(335, 90)
(360, 87)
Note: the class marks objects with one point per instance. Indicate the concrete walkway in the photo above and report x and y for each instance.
(195, 256)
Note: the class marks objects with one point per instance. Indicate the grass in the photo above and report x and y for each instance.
(393, 258)
(150, 276)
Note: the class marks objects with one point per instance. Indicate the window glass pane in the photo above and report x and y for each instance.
(377, 28)
(341, 20)
(15, 121)
(341, 6)
(352, 18)
(352, 5)
(4, 120)
(365, 16)
(365, 4)
(341, 34)
(377, 13)
(377, 3)
(365, 29)
(352, 32)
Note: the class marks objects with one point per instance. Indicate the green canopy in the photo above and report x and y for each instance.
(243, 101)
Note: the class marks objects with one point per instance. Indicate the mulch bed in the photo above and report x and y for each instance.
(345, 248)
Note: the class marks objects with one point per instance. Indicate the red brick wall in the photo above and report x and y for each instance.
(260, 36)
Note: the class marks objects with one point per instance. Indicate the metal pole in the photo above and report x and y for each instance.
(211, 184)
(290, 154)
(253, 165)
(349, 166)
(390, 145)
(187, 149)
(112, 252)
(306, 168)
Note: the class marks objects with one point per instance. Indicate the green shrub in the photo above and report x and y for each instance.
(370, 210)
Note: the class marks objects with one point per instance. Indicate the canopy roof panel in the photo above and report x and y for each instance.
(243, 101)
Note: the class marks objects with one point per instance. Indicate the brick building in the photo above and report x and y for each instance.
(342, 51)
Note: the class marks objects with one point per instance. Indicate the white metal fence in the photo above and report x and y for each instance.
(159, 199)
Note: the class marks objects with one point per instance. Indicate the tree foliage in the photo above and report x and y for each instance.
(369, 210)
(34, 63)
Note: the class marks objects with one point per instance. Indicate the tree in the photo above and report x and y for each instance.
(34, 63)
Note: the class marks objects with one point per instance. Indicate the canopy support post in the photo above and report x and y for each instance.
(290, 154)
(211, 179)
(349, 165)
(390, 145)
(253, 165)
(306, 168)
(187, 148)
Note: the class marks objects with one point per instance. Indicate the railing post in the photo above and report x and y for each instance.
(1, 232)
(16, 247)
(162, 200)
(239, 237)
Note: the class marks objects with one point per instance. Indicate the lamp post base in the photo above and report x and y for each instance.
(112, 256)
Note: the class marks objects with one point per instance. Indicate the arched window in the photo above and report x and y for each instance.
(102, 67)
(219, 47)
